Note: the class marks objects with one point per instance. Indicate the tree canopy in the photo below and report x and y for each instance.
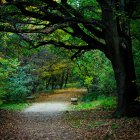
(69, 24)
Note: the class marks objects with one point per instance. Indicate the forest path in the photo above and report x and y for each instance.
(43, 119)
(34, 123)
(54, 103)
(47, 107)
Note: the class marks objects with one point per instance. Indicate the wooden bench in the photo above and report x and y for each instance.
(74, 101)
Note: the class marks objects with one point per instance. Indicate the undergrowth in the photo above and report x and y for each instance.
(14, 106)
(104, 102)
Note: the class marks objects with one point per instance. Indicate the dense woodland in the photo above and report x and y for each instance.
(55, 44)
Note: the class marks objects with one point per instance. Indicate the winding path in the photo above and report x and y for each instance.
(59, 101)
(47, 107)
(47, 119)
(43, 119)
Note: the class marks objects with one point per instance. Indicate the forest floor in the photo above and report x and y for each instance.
(48, 118)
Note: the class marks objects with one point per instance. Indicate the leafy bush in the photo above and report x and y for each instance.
(107, 102)
(96, 74)
(16, 81)
(21, 85)
(88, 97)
(8, 68)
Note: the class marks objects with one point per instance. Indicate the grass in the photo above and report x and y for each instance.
(14, 106)
(73, 85)
(101, 102)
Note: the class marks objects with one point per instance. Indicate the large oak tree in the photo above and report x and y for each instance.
(97, 24)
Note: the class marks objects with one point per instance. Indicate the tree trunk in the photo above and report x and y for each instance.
(48, 81)
(66, 77)
(62, 80)
(120, 55)
(125, 76)
(126, 86)
(53, 82)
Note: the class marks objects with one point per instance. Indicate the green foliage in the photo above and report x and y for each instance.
(88, 8)
(53, 67)
(12, 46)
(72, 85)
(107, 102)
(21, 85)
(88, 97)
(8, 68)
(16, 83)
(88, 81)
(135, 30)
(14, 107)
(114, 126)
(94, 72)
(101, 102)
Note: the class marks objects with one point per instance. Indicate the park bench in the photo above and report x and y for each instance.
(74, 101)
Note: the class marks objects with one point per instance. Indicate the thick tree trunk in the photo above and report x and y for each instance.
(126, 87)
(120, 55)
(126, 79)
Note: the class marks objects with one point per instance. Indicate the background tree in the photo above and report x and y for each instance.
(95, 73)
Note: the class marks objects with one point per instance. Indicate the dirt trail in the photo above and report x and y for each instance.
(43, 120)
(47, 107)
(48, 120)
(54, 103)
(63, 95)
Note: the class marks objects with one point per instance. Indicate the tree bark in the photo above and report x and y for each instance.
(120, 55)
(126, 85)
